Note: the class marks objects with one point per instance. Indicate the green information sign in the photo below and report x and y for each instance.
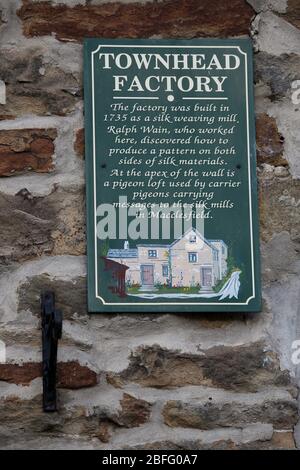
(171, 186)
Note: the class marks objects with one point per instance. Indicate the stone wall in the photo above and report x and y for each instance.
(139, 380)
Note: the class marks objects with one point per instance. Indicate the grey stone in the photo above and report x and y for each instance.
(32, 226)
(279, 207)
(53, 91)
(278, 72)
(70, 295)
(281, 412)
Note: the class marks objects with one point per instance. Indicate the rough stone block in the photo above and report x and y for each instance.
(70, 295)
(26, 227)
(20, 374)
(73, 375)
(34, 86)
(278, 72)
(279, 211)
(70, 375)
(32, 226)
(174, 19)
(292, 13)
(79, 143)
(134, 411)
(25, 150)
(269, 142)
(278, 411)
(244, 368)
(255, 436)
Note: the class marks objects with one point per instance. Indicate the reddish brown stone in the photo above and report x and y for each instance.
(168, 18)
(20, 374)
(105, 431)
(73, 375)
(134, 411)
(79, 143)
(292, 13)
(24, 150)
(269, 142)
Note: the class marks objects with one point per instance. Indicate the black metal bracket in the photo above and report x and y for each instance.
(51, 333)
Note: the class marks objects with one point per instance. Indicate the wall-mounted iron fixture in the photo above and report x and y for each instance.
(51, 333)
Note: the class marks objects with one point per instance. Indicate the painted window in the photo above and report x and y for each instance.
(152, 253)
(165, 270)
(215, 254)
(193, 238)
(193, 258)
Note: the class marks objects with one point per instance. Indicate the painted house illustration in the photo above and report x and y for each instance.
(189, 261)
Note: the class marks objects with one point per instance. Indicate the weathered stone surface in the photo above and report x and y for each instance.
(19, 416)
(277, 72)
(233, 368)
(292, 13)
(70, 375)
(20, 374)
(26, 225)
(70, 295)
(275, 35)
(79, 143)
(26, 150)
(279, 207)
(281, 413)
(69, 234)
(185, 445)
(176, 18)
(269, 142)
(105, 431)
(25, 417)
(216, 442)
(73, 375)
(283, 440)
(33, 87)
(32, 226)
(253, 436)
(264, 5)
(48, 443)
(2, 21)
(277, 268)
(134, 411)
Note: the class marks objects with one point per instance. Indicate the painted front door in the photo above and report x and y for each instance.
(206, 277)
(147, 274)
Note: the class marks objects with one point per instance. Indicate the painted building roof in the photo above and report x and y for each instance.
(194, 231)
(220, 241)
(133, 252)
(129, 253)
(153, 245)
